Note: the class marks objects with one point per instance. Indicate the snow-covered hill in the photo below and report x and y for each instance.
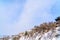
(45, 31)
(50, 35)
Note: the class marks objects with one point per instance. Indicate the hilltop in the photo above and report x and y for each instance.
(44, 31)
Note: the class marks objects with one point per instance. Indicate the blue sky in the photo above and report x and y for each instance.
(20, 15)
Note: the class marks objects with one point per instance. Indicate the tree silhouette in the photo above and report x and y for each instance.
(57, 19)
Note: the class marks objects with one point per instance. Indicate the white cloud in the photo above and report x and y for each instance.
(34, 13)
(34, 9)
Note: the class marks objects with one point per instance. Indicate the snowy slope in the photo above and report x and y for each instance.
(51, 35)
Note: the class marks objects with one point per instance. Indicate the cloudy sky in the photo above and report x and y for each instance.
(20, 15)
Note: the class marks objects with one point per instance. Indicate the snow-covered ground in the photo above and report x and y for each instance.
(51, 35)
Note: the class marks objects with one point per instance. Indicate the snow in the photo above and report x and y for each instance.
(50, 35)
(46, 36)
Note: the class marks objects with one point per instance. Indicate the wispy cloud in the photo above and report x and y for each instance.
(34, 13)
